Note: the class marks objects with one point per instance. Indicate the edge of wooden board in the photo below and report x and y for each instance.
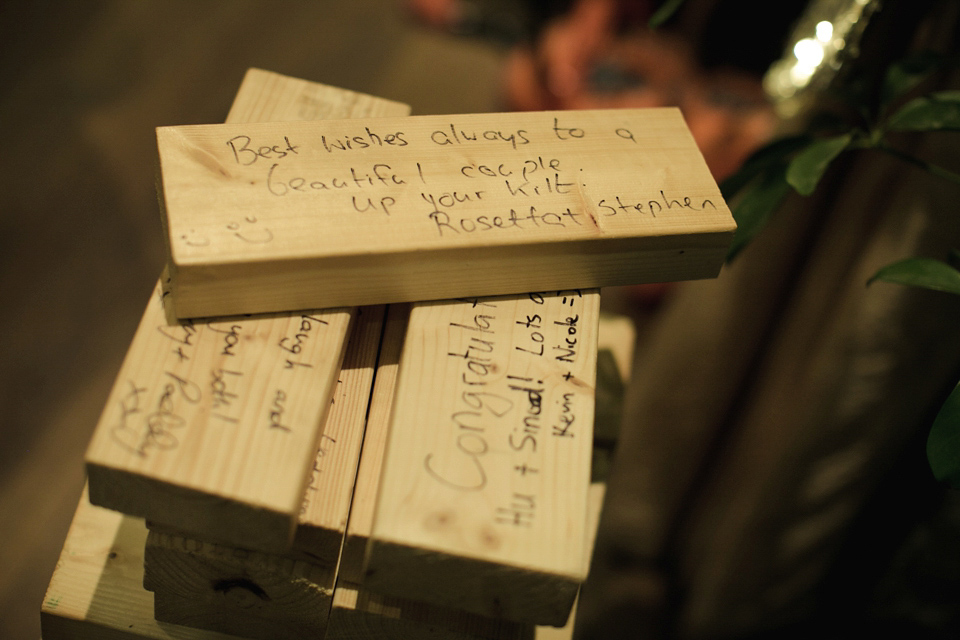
(515, 238)
(185, 509)
(387, 278)
(96, 590)
(547, 597)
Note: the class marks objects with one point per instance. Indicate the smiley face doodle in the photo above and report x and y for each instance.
(253, 236)
(192, 239)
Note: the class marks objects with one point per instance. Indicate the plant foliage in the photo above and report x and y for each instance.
(799, 162)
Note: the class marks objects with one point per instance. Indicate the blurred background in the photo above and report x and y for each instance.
(770, 479)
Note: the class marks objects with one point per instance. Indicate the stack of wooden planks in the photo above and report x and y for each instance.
(336, 467)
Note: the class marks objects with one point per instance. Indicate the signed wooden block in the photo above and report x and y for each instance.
(260, 595)
(212, 427)
(278, 216)
(360, 613)
(483, 492)
(326, 501)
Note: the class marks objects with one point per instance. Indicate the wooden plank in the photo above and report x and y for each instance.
(487, 464)
(276, 216)
(96, 590)
(326, 502)
(616, 334)
(260, 595)
(189, 576)
(595, 506)
(282, 98)
(369, 469)
(360, 613)
(212, 427)
(228, 590)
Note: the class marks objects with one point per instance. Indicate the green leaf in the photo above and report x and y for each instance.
(935, 112)
(755, 208)
(921, 272)
(808, 166)
(943, 443)
(760, 161)
(664, 13)
(904, 75)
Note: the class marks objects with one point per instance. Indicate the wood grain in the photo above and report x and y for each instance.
(212, 427)
(595, 506)
(364, 502)
(224, 589)
(261, 595)
(279, 216)
(360, 613)
(616, 334)
(96, 591)
(487, 465)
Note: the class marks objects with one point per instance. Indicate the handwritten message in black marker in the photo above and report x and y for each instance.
(221, 403)
(271, 189)
(492, 428)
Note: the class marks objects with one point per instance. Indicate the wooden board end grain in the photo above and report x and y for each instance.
(96, 591)
(360, 613)
(276, 216)
(231, 590)
(486, 471)
(326, 502)
(212, 426)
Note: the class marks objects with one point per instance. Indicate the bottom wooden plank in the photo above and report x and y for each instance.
(364, 502)
(259, 595)
(96, 592)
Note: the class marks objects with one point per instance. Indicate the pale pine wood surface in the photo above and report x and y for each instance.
(96, 592)
(487, 463)
(434, 207)
(247, 593)
(214, 445)
(358, 613)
